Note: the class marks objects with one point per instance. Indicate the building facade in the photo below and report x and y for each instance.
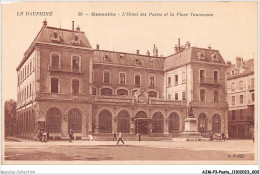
(241, 98)
(64, 83)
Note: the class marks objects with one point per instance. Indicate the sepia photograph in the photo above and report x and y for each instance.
(129, 83)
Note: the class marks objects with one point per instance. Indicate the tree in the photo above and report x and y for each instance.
(10, 115)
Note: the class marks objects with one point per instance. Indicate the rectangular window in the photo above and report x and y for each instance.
(75, 64)
(233, 114)
(75, 86)
(30, 67)
(183, 77)
(169, 96)
(253, 97)
(24, 72)
(28, 70)
(176, 96)
(215, 76)
(106, 77)
(54, 85)
(241, 85)
(233, 100)
(169, 81)
(151, 81)
(183, 95)
(241, 114)
(202, 95)
(122, 78)
(55, 61)
(202, 75)
(33, 64)
(252, 83)
(215, 96)
(233, 86)
(241, 97)
(137, 80)
(176, 80)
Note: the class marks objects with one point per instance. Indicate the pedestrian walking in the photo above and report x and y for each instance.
(223, 137)
(211, 135)
(114, 134)
(39, 135)
(120, 138)
(70, 135)
(139, 136)
(44, 137)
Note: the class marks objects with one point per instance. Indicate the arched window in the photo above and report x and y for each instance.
(152, 94)
(216, 123)
(53, 121)
(105, 122)
(123, 122)
(106, 91)
(158, 123)
(75, 120)
(173, 122)
(122, 92)
(141, 114)
(202, 123)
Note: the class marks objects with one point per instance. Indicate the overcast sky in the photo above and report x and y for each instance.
(232, 29)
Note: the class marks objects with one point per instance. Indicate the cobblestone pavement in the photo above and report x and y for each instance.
(235, 150)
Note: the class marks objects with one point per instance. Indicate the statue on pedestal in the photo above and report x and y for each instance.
(190, 111)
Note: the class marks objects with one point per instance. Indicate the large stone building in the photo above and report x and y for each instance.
(241, 98)
(63, 83)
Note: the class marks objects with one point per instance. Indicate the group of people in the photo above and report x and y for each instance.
(212, 136)
(43, 136)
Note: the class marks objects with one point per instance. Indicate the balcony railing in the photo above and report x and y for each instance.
(62, 96)
(210, 104)
(210, 81)
(64, 69)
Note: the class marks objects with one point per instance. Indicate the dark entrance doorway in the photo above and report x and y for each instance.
(142, 126)
(141, 123)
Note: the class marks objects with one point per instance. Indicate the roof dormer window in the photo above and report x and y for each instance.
(214, 57)
(75, 41)
(201, 55)
(55, 37)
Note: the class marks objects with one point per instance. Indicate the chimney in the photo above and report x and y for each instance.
(209, 47)
(137, 52)
(44, 23)
(97, 47)
(187, 45)
(78, 29)
(229, 62)
(179, 44)
(72, 25)
(176, 48)
(148, 53)
(156, 52)
(239, 61)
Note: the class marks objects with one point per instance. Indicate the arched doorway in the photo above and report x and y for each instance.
(141, 123)
(203, 122)
(53, 121)
(123, 122)
(157, 123)
(173, 122)
(216, 123)
(75, 120)
(105, 122)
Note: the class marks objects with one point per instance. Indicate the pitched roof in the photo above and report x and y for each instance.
(191, 54)
(128, 59)
(66, 36)
(245, 69)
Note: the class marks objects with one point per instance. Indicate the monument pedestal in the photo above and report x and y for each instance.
(190, 132)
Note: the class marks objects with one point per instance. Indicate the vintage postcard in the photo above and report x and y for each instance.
(129, 83)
